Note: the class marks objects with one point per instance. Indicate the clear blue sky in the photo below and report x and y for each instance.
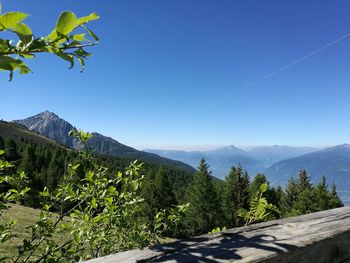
(161, 63)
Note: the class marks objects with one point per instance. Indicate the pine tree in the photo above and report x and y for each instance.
(306, 200)
(334, 200)
(306, 203)
(11, 150)
(321, 195)
(55, 171)
(274, 196)
(304, 181)
(28, 162)
(204, 212)
(237, 195)
(2, 143)
(157, 192)
(290, 196)
(164, 192)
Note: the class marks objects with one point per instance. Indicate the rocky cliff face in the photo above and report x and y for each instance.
(51, 126)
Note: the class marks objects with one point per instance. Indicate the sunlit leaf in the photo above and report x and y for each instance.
(53, 35)
(79, 37)
(134, 186)
(24, 33)
(85, 19)
(92, 34)
(66, 57)
(66, 23)
(11, 19)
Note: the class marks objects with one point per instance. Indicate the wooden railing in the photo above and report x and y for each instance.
(313, 238)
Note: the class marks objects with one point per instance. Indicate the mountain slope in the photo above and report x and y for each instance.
(18, 132)
(50, 125)
(269, 155)
(334, 163)
(254, 160)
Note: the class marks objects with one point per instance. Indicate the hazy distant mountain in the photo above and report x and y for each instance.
(268, 155)
(334, 163)
(254, 160)
(50, 125)
(220, 160)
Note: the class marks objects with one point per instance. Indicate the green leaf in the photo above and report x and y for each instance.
(79, 37)
(82, 64)
(66, 23)
(85, 19)
(27, 55)
(53, 35)
(11, 19)
(263, 188)
(92, 34)
(66, 57)
(2, 152)
(93, 202)
(24, 33)
(243, 213)
(11, 64)
(134, 185)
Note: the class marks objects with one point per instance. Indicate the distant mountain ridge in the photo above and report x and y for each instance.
(269, 155)
(53, 127)
(254, 160)
(220, 160)
(333, 162)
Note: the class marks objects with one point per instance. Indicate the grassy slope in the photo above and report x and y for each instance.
(24, 217)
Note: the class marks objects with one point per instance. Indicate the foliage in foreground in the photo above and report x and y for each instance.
(260, 208)
(102, 213)
(67, 40)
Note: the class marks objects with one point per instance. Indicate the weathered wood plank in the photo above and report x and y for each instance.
(313, 238)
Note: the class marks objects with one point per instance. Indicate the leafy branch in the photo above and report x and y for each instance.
(67, 41)
(260, 209)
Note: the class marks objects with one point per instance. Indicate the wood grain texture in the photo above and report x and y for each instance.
(314, 238)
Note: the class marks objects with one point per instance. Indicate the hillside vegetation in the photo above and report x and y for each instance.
(24, 217)
(148, 204)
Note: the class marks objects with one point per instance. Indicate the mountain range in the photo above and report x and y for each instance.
(333, 163)
(278, 163)
(254, 160)
(53, 127)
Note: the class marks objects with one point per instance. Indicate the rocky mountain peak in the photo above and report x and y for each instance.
(48, 115)
(52, 126)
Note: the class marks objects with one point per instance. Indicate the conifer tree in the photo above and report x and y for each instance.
(2, 143)
(55, 168)
(304, 181)
(321, 195)
(306, 200)
(28, 162)
(164, 192)
(334, 200)
(290, 196)
(237, 195)
(274, 196)
(11, 150)
(157, 192)
(204, 212)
